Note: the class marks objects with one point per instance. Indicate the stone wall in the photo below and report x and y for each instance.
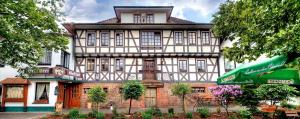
(164, 95)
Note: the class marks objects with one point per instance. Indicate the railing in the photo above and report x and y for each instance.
(57, 72)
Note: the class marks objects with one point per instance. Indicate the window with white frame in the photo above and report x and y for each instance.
(91, 39)
(150, 18)
(46, 59)
(42, 91)
(104, 64)
(182, 65)
(119, 39)
(205, 35)
(137, 18)
(178, 37)
(104, 39)
(198, 89)
(229, 65)
(14, 91)
(201, 66)
(150, 39)
(192, 38)
(119, 64)
(90, 65)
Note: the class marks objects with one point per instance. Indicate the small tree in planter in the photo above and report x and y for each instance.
(249, 98)
(132, 90)
(225, 93)
(181, 90)
(276, 93)
(97, 96)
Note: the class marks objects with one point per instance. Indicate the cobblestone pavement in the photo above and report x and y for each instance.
(22, 115)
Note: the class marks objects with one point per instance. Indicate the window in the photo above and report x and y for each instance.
(120, 90)
(201, 66)
(90, 64)
(182, 65)
(198, 89)
(178, 37)
(42, 91)
(119, 39)
(46, 59)
(14, 91)
(150, 18)
(104, 39)
(104, 64)
(192, 38)
(105, 90)
(229, 65)
(205, 38)
(86, 90)
(137, 18)
(91, 39)
(65, 59)
(150, 39)
(119, 65)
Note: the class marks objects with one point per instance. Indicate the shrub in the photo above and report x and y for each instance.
(285, 104)
(171, 110)
(100, 115)
(204, 112)
(249, 98)
(146, 115)
(245, 114)
(232, 117)
(97, 95)
(189, 115)
(83, 116)
(93, 114)
(73, 114)
(157, 112)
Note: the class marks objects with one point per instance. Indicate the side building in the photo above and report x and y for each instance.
(145, 43)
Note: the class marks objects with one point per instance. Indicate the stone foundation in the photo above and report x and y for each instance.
(164, 97)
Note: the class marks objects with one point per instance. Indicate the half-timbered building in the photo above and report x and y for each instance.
(145, 43)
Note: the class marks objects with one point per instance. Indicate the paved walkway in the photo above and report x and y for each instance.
(22, 115)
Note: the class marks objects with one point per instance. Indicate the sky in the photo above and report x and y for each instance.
(83, 11)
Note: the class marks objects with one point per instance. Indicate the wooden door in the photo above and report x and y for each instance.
(73, 96)
(149, 70)
(150, 97)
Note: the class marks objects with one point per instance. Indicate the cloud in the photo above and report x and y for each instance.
(98, 10)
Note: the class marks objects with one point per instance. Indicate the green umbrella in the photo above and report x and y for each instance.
(266, 71)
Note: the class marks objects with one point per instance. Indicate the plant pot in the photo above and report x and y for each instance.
(127, 116)
(89, 105)
(269, 108)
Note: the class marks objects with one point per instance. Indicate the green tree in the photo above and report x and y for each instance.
(249, 98)
(97, 96)
(259, 27)
(181, 90)
(132, 90)
(27, 27)
(276, 93)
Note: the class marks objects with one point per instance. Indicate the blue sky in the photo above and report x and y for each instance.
(97, 10)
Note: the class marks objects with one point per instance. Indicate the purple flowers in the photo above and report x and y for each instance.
(223, 92)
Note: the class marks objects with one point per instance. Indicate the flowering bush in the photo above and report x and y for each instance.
(224, 93)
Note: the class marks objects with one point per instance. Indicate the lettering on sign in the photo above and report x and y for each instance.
(229, 78)
(281, 81)
(58, 71)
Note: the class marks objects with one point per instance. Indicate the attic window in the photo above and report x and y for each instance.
(137, 18)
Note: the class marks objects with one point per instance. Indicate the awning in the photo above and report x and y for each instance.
(15, 81)
(270, 70)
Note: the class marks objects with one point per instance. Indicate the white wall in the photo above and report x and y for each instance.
(160, 18)
(32, 89)
(126, 18)
(7, 71)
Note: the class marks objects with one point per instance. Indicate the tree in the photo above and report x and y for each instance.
(225, 93)
(249, 98)
(275, 93)
(96, 95)
(132, 90)
(27, 27)
(181, 90)
(259, 27)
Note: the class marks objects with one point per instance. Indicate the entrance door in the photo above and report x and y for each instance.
(150, 97)
(149, 70)
(73, 95)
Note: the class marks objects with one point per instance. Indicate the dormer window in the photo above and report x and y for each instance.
(148, 18)
(137, 18)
